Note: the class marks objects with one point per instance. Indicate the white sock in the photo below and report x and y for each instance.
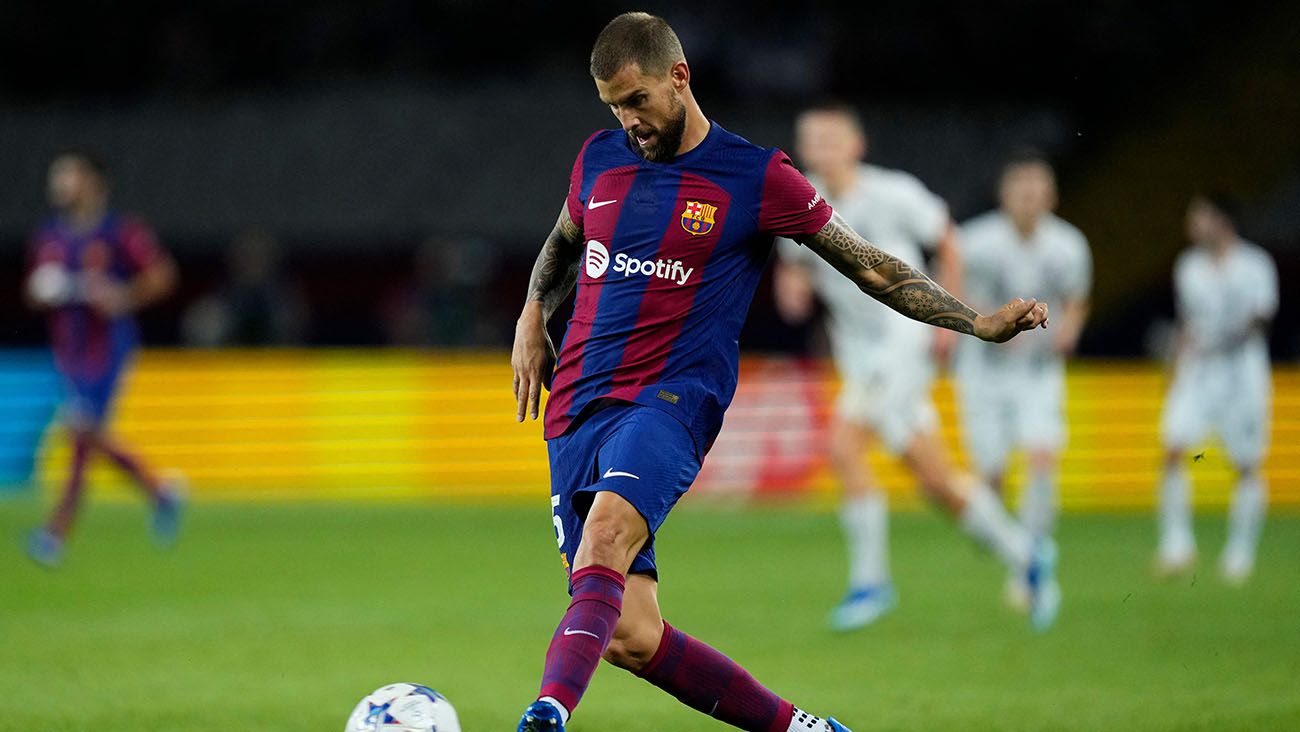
(1177, 543)
(804, 722)
(865, 520)
(986, 519)
(1038, 504)
(1246, 518)
(564, 713)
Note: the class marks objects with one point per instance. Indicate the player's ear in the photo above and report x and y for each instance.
(680, 74)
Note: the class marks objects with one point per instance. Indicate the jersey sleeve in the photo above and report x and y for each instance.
(790, 206)
(1078, 282)
(1265, 291)
(140, 245)
(574, 201)
(926, 215)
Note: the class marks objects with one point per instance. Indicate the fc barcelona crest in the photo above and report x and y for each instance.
(698, 217)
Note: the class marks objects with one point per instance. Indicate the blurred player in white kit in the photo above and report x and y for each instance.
(886, 364)
(1015, 397)
(1226, 294)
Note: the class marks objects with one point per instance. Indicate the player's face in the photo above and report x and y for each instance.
(69, 182)
(1204, 223)
(649, 108)
(828, 141)
(1028, 191)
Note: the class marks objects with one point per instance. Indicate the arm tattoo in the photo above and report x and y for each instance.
(556, 269)
(889, 279)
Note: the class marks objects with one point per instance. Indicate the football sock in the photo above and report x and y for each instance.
(66, 511)
(802, 721)
(564, 713)
(986, 519)
(1038, 504)
(1176, 539)
(707, 681)
(1246, 517)
(583, 635)
(134, 468)
(865, 520)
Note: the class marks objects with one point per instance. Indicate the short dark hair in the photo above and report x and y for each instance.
(839, 107)
(1026, 155)
(640, 38)
(91, 160)
(1223, 202)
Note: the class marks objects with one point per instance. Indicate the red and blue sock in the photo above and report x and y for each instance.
(583, 635)
(705, 680)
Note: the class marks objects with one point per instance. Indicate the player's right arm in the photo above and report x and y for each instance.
(554, 274)
(910, 292)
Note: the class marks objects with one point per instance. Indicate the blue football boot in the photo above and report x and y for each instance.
(541, 717)
(862, 607)
(166, 520)
(1044, 591)
(45, 548)
(836, 726)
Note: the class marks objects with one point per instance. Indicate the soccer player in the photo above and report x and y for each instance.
(91, 268)
(884, 361)
(1226, 292)
(667, 226)
(1014, 397)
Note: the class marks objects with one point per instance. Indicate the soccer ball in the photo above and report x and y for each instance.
(403, 708)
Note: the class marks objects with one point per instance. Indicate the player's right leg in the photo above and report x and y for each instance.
(1183, 424)
(864, 518)
(45, 545)
(984, 517)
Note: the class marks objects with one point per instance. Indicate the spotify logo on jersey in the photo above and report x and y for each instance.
(597, 259)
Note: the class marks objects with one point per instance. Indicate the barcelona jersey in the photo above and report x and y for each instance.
(673, 253)
(89, 348)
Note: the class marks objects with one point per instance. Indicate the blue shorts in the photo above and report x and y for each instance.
(89, 398)
(641, 453)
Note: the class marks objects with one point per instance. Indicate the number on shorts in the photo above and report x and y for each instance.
(559, 525)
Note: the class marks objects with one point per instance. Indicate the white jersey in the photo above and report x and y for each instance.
(1222, 381)
(900, 216)
(1052, 265)
(1219, 301)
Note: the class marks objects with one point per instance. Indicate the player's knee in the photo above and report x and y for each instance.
(1173, 457)
(610, 541)
(631, 649)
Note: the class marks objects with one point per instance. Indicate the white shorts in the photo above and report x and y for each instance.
(1230, 396)
(1016, 405)
(892, 398)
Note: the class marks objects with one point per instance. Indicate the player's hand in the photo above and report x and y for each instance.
(533, 361)
(106, 297)
(1010, 319)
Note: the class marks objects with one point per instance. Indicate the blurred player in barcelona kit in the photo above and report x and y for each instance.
(885, 362)
(91, 268)
(1014, 397)
(1226, 292)
(667, 226)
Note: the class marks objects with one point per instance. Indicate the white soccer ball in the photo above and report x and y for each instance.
(50, 284)
(404, 708)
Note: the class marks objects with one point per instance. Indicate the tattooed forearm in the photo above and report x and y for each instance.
(889, 279)
(556, 269)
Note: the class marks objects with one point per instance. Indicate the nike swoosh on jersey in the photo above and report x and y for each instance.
(594, 204)
(612, 473)
(570, 631)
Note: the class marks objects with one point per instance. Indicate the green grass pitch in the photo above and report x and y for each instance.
(281, 616)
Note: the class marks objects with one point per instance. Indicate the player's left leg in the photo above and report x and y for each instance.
(1040, 501)
(1244, 431)
(45, 545)
(166, 497)
(696, 674)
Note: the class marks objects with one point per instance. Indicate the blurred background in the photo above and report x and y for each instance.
(355, 194)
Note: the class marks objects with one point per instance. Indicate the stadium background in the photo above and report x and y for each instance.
(379, 176)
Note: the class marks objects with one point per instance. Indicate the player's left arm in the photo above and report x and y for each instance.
(1071, 315)
(909, 291)
(154, 276)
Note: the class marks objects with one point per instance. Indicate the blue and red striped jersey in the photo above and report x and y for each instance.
(674, 252)
(85, 343)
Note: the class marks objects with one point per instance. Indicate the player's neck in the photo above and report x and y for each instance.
(697, 128)
(86, 216)
(1219, 248)
(1026, 227)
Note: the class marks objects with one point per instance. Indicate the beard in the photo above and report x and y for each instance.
(667, 139)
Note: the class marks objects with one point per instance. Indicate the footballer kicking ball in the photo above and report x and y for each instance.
(404, 708)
